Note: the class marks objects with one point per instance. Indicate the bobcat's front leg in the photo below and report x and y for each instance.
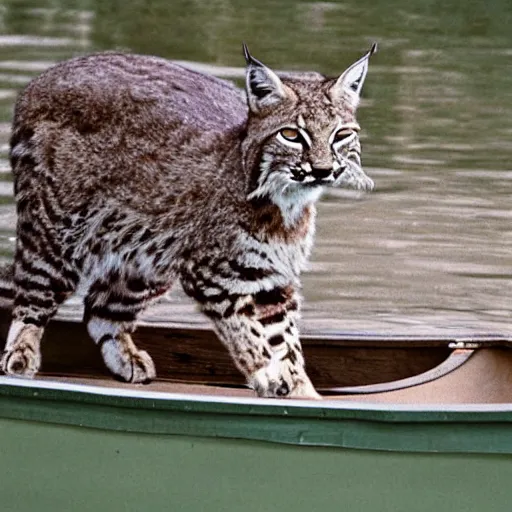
(260, 332)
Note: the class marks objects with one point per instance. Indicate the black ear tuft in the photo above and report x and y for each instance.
(247, 55)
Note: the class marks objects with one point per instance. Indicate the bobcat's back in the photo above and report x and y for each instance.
(117, 124)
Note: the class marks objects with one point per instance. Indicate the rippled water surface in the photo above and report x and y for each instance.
(430, 250)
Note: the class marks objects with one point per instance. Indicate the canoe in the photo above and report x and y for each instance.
(407, 423)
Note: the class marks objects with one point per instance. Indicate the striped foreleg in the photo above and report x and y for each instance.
(260, 332)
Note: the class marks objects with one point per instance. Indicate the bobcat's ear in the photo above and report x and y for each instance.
(264, 88)
(352, 79)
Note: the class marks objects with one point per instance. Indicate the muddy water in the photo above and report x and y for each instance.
(430, 250)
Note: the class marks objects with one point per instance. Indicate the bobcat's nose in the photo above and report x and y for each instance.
(321, 173)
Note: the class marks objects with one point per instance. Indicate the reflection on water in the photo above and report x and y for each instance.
(429, 251)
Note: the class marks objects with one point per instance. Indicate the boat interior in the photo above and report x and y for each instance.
(388, 369)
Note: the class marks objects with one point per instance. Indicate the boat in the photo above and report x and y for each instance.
(406, 423)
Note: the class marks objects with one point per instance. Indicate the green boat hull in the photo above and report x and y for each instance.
(82, 448)
(407, 424)
(50, 467)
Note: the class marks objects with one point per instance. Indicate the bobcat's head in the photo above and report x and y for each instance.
(302, 134)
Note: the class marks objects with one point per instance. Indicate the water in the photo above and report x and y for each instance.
(429, 251)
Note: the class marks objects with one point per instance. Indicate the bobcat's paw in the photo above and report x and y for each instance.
(279, 379)
(128, 363)
(21, 361)
(304, 389)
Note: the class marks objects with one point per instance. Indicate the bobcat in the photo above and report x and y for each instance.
(131, 172)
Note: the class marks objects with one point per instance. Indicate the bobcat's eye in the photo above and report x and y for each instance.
(291, 134)
(342, 135)
(294, 138)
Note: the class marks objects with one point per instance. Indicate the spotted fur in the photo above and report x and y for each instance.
(132, 173)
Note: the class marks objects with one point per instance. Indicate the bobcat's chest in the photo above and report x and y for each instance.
(286, 257)
(289, 259)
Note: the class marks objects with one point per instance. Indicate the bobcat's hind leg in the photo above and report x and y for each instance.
(37, 298)
(22, 353)
(111, 309)
(43, 278)
(41, 286)
(260, 332)
(40, 289)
